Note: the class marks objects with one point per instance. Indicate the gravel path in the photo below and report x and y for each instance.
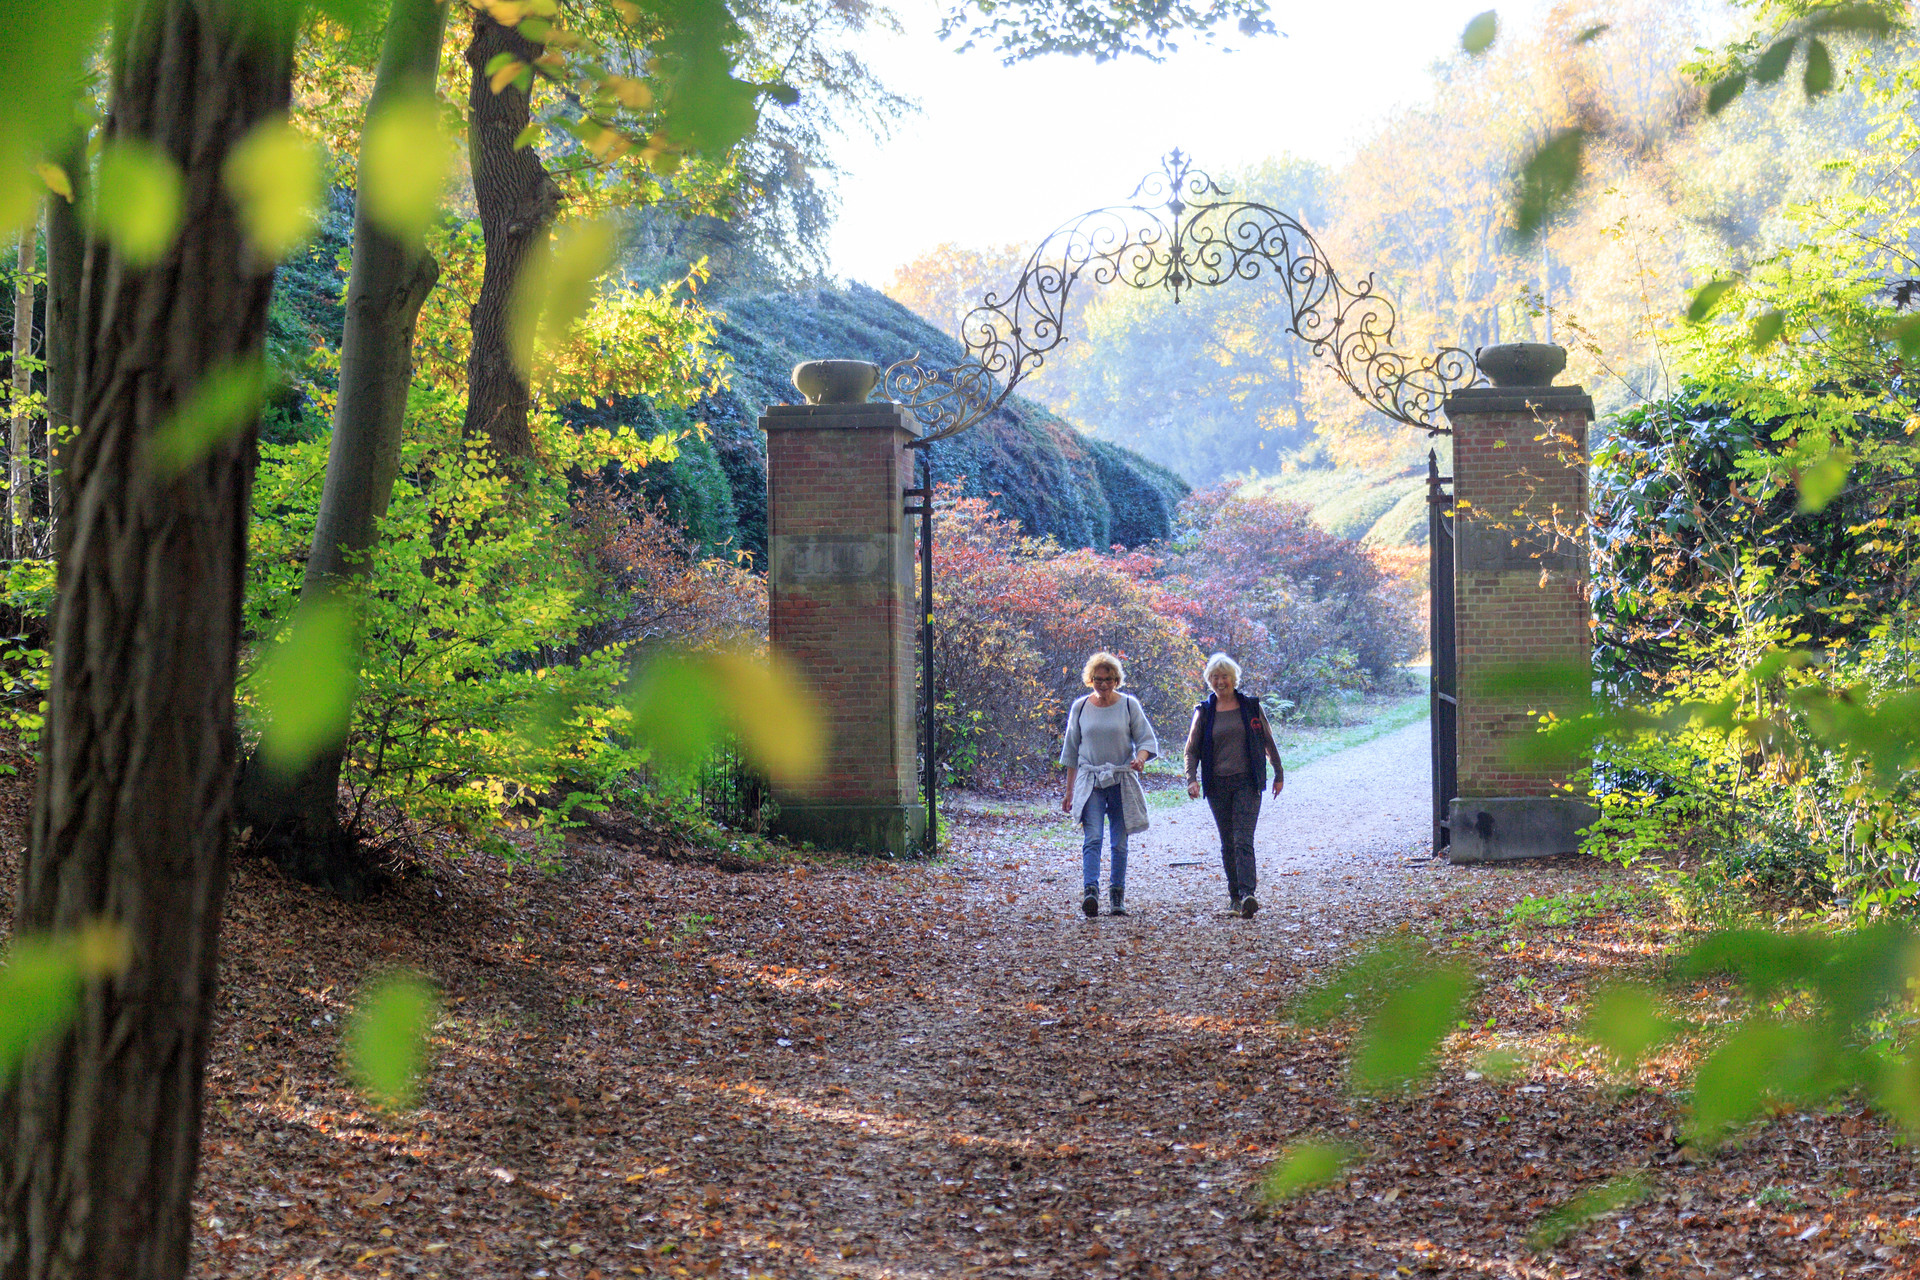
(1348, 828)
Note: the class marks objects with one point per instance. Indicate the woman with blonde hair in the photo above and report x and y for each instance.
(1229, 745)
(1108, 742)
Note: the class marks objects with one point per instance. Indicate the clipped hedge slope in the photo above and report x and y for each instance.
(1031, 463)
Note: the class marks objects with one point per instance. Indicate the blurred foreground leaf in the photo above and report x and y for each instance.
(405, 157)
(40, 985)
(1480, 32)
(1304, 1166)
(682, 702)
(387, 1039)
(222, 405)
(1820, 482)
(136, 203)
(1547, 180)
(1398, 1043)
(42, 64)
(557, 288)
(1626, 1022)
(275, 177)
(1614, 1193)
(1706, 299)
(307, 684)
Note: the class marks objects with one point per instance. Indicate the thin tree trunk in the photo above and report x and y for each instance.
(20, 437)
(66, 258)
(100, 1133)
(296, 821)
(517, 201)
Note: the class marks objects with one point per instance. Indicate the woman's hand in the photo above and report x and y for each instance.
(1138, 764)
(1193, 790)
(1066, 803)
(1278, 785)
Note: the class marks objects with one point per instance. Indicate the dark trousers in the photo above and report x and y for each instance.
(1236, 808)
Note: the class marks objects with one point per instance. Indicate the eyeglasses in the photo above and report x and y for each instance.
(1106, 679)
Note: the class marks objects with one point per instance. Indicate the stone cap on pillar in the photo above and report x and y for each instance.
(839, 417)
(1522, 374)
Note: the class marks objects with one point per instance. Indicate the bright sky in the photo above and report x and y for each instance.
(1008, 153)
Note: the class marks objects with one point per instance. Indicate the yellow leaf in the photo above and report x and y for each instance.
(630, 92)
(506, 73)
(557, 288)
(274, 176)
(386, 1252)
(775, 715)
(56, 179)
(403, 166)
(137, 203)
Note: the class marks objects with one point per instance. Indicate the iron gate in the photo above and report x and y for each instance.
(1442, 687)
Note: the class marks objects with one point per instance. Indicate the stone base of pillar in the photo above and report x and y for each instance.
(896, 829)
(1500, 830)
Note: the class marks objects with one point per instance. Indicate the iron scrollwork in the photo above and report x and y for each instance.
(1179, 231)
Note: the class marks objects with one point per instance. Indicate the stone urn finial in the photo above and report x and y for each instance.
(836, 381)
(1522, 364)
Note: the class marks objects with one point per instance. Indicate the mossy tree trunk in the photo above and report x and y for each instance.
(296, 821)
(100, 1132)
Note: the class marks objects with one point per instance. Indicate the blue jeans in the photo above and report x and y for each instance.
(1103, 803)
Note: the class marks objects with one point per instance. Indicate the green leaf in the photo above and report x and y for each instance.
(43, 64)
(1480, 32)
(1905, 333)
(1624, 1021)
(1593, 33)
(1818, 76)
(227, 400)
(275, 177)
(1706, 299)
(1724, 91)
(1856, 19)
(676, 712)
(1613, 1194)
(41, 983)
(1766, 330)
(387, 1040)
(1821, 482)
(1773, 63)
(404, 160)
(1764, 1057)
(1360, 985)
(1547, 178)
(136, 204)
(1304, 1166)
(1399, 1040)
(307, 683)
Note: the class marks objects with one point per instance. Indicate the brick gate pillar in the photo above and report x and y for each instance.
(840, 592)
(1520, 594)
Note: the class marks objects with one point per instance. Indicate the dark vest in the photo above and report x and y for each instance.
(1252, 740)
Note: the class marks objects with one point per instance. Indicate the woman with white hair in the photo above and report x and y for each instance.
(1108, 742)
(1229, 745)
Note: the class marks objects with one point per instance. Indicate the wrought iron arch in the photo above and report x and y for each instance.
(1177, 232)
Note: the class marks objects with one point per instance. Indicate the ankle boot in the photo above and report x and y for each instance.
(1117, 901)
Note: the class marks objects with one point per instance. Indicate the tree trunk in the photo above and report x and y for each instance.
(296, 822)
(517, 203)
(66, 257)
(100, 1133)
(20, 437)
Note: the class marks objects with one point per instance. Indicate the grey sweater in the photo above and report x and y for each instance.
(1106, 735)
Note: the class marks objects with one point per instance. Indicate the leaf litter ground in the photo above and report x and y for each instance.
(655, 1067)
